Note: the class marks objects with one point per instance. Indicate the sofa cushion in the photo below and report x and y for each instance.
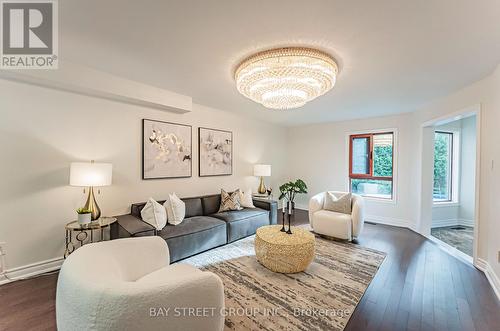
(211, 204)
(194, 235)
(193, 207)
(237, 215)
(243, 223)
(130, 226)
(189, 226)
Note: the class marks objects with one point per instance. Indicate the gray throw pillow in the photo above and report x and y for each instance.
(340, 203)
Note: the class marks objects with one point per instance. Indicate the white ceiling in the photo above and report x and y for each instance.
(394, 55)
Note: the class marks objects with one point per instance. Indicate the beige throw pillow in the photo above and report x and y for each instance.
(340, 203)
(246, 200)
(230, 201)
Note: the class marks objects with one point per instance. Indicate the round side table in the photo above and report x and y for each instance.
(85, 233)
(282, 252)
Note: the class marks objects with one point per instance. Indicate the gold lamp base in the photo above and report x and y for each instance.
(262, 187)
(91, 204)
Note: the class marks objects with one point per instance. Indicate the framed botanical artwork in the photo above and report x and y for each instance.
(215, 152)
(166, 150)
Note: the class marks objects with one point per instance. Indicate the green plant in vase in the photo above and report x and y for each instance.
(290, 190)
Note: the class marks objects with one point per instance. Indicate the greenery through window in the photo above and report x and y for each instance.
(443, 159)
(371, 164)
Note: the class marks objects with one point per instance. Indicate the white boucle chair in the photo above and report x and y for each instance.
(122, 285)
(333, 224)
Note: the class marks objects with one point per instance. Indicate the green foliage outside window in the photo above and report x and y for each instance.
(382, 161)
(442, 143)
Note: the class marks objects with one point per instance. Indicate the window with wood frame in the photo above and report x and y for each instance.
(371, 164)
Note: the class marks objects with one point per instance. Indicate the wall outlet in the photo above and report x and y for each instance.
(2, 257)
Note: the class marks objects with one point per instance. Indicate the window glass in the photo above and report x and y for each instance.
(361, 155)
(382, 155)
(443, 145)
(372, 188)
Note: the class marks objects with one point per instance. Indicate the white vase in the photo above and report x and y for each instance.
(84, 218)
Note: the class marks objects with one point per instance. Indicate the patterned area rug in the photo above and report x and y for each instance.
(321, 298)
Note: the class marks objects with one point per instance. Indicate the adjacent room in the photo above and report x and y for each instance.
(233, 165)
(453, 210)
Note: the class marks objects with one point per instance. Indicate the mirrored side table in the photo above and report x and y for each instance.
(77, 234)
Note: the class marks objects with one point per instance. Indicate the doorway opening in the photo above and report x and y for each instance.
(450, 182)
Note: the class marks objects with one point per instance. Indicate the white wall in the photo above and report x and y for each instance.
(468, 169)
(319, 155)
(43, 130)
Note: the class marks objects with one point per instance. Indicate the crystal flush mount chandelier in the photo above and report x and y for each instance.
(286, 78)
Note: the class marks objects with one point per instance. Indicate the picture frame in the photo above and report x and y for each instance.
(215, 152)
(166, 150)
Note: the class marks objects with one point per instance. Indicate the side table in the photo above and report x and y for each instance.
(263, 197)
(84, 232)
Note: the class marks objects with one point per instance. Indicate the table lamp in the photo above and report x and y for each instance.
(91, 174)
(262, 170)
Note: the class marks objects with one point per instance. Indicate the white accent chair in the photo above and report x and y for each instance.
(122, 284)
(333, 224)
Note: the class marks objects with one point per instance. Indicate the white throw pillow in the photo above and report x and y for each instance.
(246, 200)
(176, 209)
(154, 214)
(340, 203)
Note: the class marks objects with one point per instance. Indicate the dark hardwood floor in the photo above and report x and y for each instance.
(418, 287)
(29, 304)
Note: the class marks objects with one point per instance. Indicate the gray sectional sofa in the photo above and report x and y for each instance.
(203, 228)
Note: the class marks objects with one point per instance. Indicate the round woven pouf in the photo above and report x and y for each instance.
(282, 252)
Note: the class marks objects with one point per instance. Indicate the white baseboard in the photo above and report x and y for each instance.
(31, 270)
(451, 222)
(485, 267)
(467, 223)
(443, 223)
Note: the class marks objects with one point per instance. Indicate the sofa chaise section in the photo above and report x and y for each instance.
(194, 235)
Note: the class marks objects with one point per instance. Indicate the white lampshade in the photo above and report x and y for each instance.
(90, 174)
(262, 170)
